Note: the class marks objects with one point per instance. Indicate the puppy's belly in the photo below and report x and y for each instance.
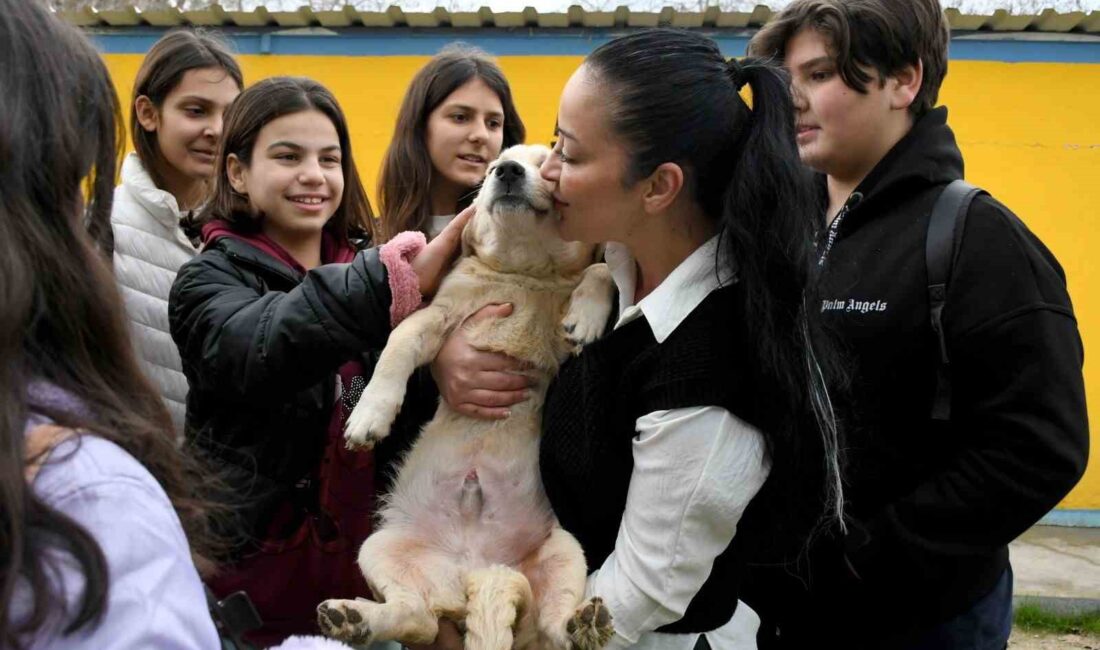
(480, 502)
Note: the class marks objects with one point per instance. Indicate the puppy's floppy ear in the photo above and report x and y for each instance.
(468, 237)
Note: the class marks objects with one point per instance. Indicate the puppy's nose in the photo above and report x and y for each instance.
(509, 171)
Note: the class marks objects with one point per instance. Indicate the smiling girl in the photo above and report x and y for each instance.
(182, 89)
(273, 320)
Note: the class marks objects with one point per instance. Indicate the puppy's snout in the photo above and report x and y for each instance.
(516, 184)
(509, 171)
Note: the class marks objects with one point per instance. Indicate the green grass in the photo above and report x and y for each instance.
(1034, 619)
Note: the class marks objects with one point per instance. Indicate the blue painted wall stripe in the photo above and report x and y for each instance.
(1068, 517)
(535, 42)
(1026, 51)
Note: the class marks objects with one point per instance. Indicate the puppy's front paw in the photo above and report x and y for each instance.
(341, 619)
(590, 628)
(583, 324)
(589, 307)
(369, 422)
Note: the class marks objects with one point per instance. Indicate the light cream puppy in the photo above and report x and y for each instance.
(467, 532)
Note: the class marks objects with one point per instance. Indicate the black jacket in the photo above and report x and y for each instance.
(934, 505)
(261, 345)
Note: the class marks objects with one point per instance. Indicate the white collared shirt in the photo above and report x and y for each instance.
(695, 471)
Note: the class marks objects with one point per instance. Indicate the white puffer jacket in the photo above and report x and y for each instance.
(150, 247)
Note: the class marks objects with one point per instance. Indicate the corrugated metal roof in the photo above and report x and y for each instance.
(1000, 20)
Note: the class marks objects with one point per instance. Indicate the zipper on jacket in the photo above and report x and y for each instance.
(834, 227)
(259, 266)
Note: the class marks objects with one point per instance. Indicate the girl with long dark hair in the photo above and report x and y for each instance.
(456, 118)
(275, 321)
(703, 411)
(184, 84)
(100, 525)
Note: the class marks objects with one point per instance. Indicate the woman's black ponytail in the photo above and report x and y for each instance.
(673, 97)
(769, 225)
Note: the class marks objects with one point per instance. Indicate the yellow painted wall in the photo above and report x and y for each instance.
(1028, 131)
(1030, 136)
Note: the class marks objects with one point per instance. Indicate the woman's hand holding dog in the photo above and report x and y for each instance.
(477, 383)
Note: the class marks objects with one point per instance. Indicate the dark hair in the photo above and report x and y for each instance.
(253, 109)
(167, 61)
(62, 319)
(885, 35)
(673, 97)
(407, 167)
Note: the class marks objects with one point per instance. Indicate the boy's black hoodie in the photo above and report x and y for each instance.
(933, 505)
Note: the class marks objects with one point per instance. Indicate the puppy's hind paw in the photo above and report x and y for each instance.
(341, 619)
(590, 628)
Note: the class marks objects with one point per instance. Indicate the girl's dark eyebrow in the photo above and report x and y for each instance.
(195, 98)
(294, 145)
(471, 109)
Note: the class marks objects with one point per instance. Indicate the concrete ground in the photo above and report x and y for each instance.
(1058, 569)
(1055, 563)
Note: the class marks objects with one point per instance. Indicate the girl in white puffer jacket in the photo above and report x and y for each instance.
(185, 83)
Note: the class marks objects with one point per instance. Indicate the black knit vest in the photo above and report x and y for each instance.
(588, 426)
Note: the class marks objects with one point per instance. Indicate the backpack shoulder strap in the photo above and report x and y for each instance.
(945, 228)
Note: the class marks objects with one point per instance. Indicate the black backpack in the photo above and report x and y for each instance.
(941, 248)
